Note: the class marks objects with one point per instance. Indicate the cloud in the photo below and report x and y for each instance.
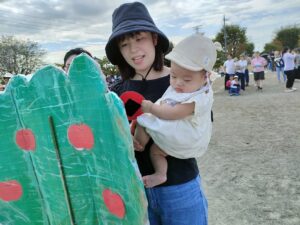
(61, 25)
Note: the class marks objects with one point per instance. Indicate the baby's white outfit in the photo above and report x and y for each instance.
(184, 138)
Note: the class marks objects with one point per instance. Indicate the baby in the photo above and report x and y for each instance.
(180, 121)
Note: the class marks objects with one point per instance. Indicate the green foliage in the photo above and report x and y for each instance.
(271, 47)
(289, 36)
(19, 56)
(221, 58)
(286, 36)
(249, 48)
(236, 43)
(107, 68)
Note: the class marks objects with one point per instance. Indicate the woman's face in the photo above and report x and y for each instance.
(139, 51)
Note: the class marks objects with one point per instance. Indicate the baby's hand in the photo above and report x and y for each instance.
(146, 106)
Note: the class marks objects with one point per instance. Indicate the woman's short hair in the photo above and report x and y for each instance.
(75, 51)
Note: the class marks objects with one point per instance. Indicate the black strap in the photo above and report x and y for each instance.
(144, 77)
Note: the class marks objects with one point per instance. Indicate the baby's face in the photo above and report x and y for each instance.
(186, 81)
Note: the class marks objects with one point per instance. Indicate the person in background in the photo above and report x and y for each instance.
(241, 66)
(228, 83)
(297, 63)
(229, 67)
(248, 59)
(289, 69)
(6, 77)
(279, 64)
(71, 54)
(137, 47)
(271, 61)
(235, 86)
(258, 64)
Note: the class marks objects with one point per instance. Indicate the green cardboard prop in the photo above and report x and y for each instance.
(66, 154)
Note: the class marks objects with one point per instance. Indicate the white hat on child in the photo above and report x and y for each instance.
(195, 53)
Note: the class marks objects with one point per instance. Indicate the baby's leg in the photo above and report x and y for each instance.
(141, 135)
(160, 164)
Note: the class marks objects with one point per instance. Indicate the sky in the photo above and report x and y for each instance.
(59, 25)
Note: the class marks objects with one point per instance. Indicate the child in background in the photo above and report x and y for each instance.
(180, 122)
(234, 86)
(228, 83)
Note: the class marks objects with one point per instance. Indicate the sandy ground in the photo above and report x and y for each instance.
(251, 172)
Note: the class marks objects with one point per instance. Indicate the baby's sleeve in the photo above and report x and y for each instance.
(203, 103)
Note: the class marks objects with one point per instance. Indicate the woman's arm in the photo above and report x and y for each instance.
(168, 112)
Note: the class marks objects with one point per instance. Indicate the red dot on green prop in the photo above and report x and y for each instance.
(81, 136)
(10, 190)
(25, 139)
(114, 203)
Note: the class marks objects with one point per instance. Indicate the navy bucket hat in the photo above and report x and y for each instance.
(128, 18)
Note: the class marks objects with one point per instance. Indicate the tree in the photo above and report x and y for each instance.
(289, 36)
(18, 56)
(272, 46)
(249, 49)
(236, 41)
(286, 36)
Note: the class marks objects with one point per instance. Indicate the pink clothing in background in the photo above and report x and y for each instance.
(258, 64)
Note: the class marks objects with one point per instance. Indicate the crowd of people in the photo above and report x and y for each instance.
(287, 66)
(236, 74)
(236, 71)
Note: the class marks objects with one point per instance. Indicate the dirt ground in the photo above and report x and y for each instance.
(251, 172)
